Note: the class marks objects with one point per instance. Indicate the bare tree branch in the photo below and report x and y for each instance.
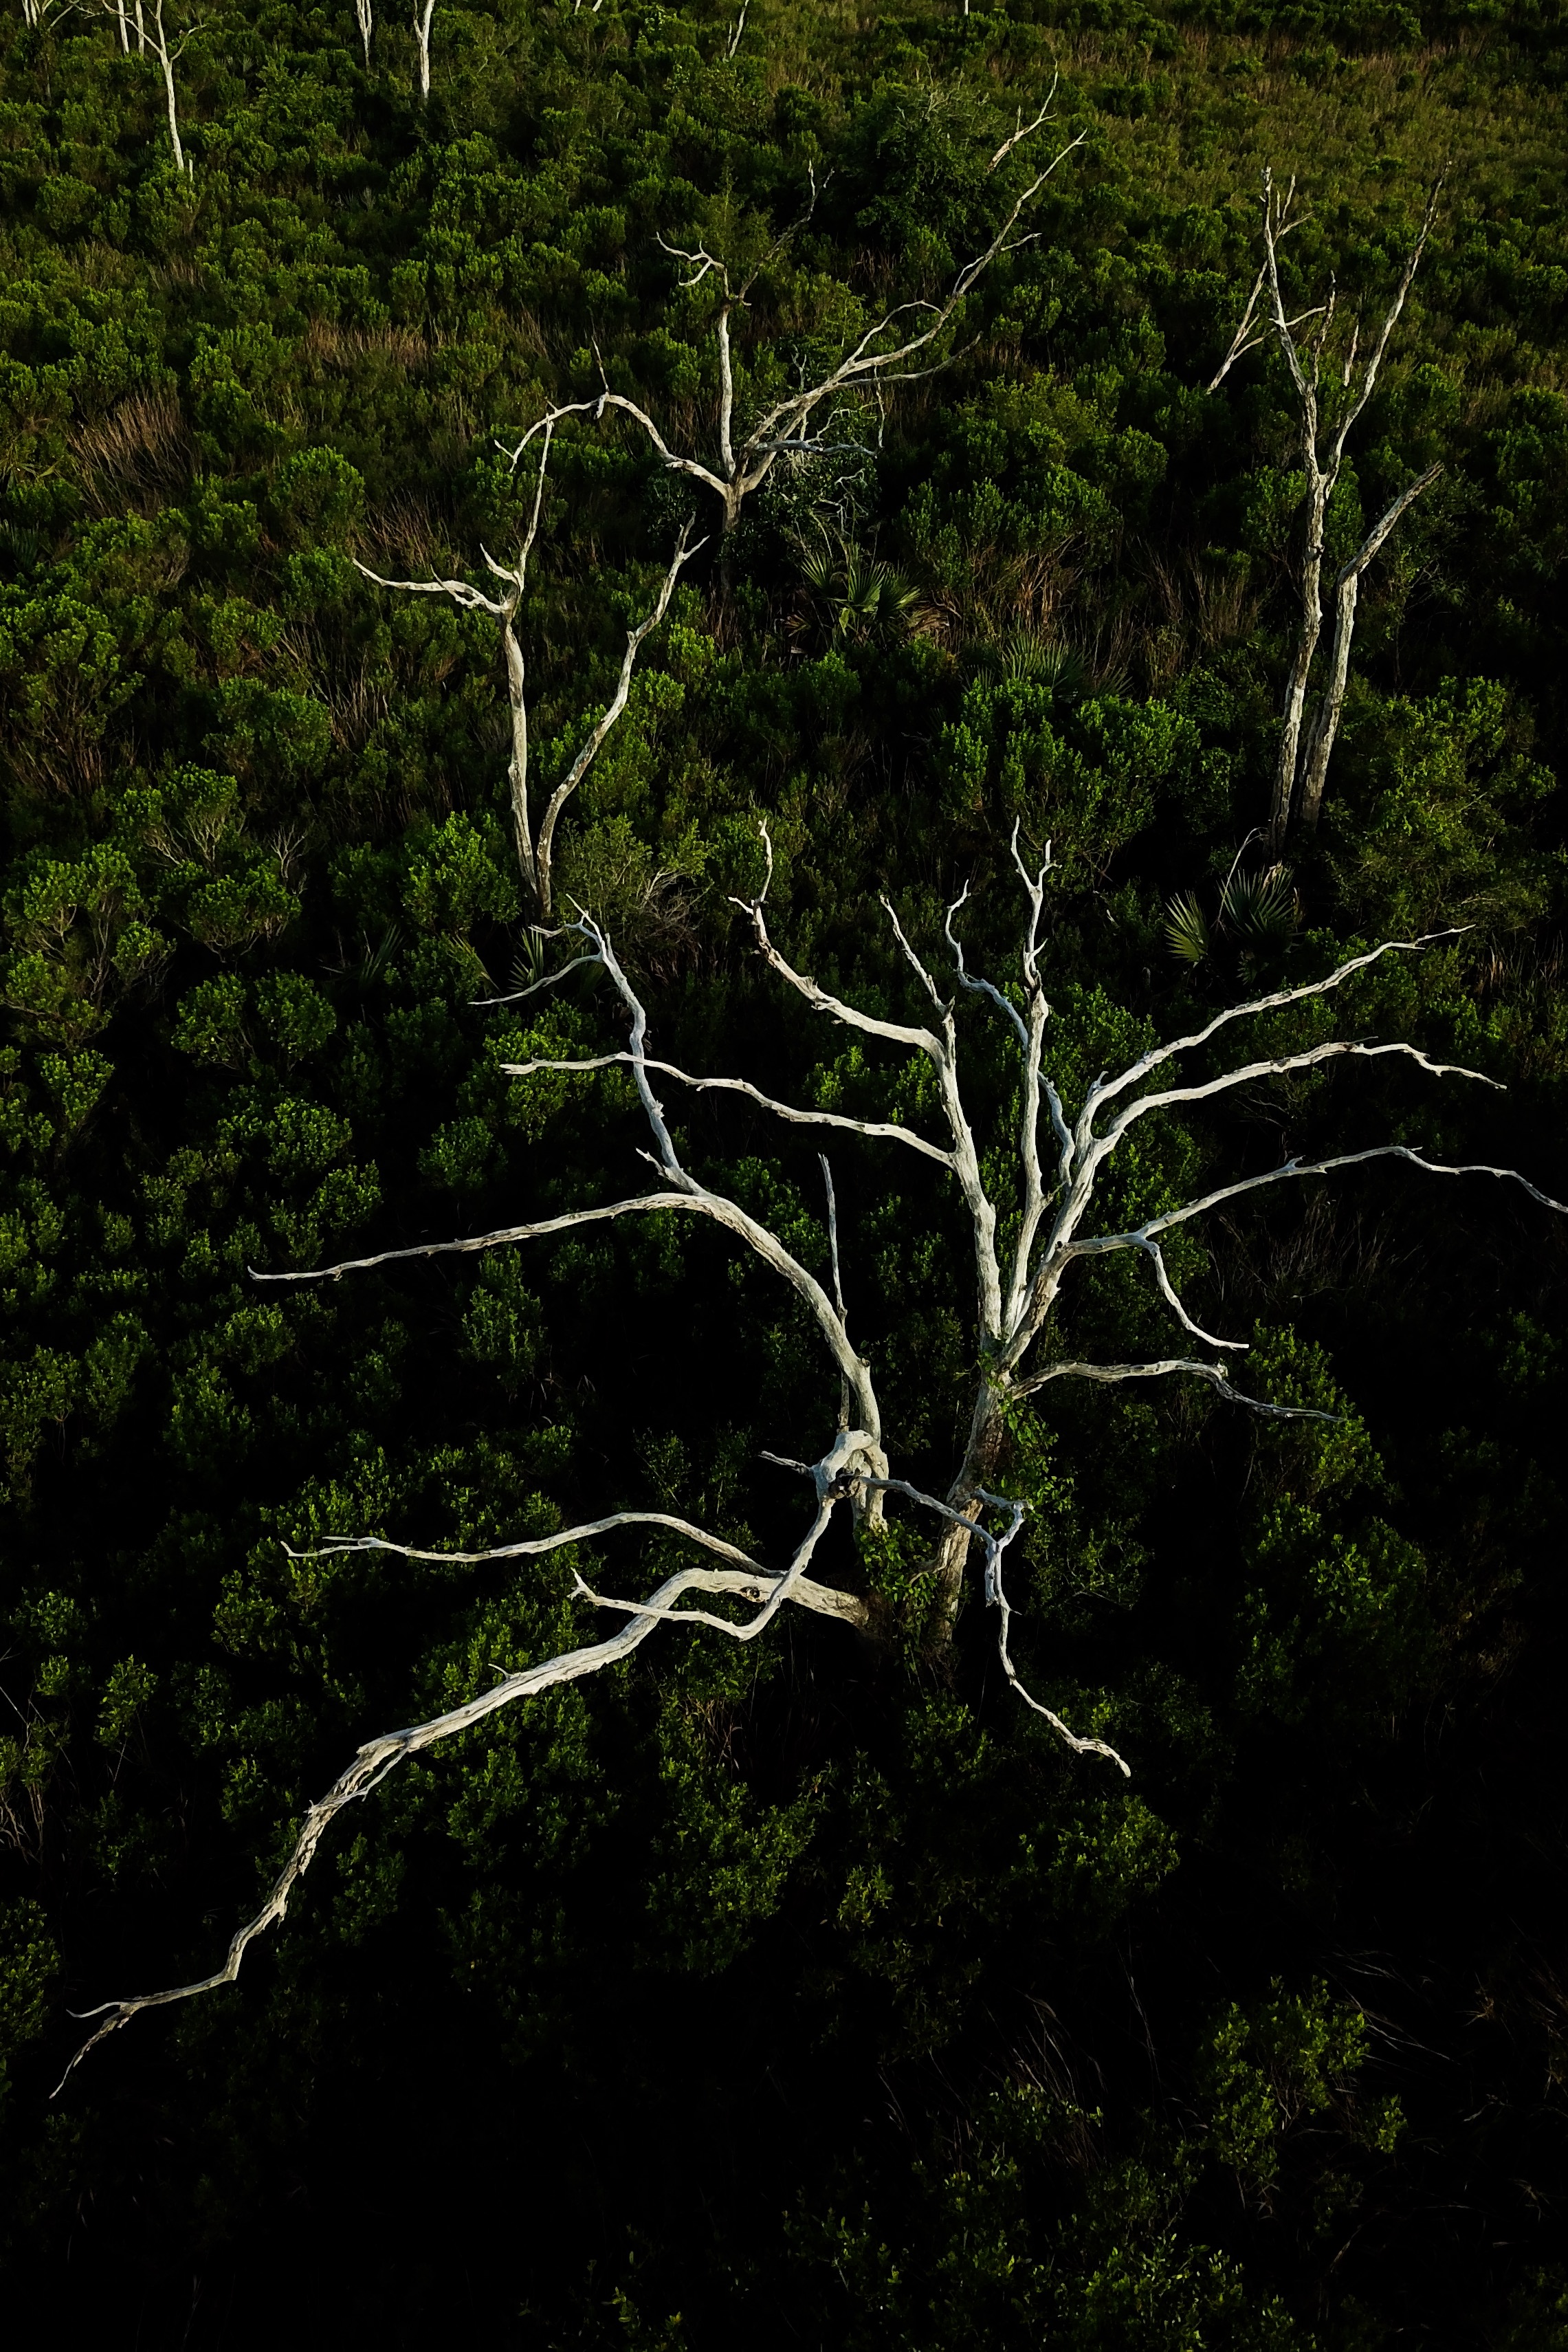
(1025, 130)
(1293, 1168)
(1215, 1375)
(746, 459)
(1325, 728)
(883, 1129)
(376, 1758)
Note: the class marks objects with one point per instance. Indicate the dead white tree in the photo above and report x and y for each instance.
(1025, 1238)
(154, 40)
(536, 850)
(884, 356)
(1306, 745)
(365, 14)
(422, 40)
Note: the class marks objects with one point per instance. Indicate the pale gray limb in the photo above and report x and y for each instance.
(1244, 339)
(376, 1758)
(894, 1032)
(421, 39)
(832, 1231)
(1167, 1292)
(535, 853)
(777, 1590)
(684, 551)
(1106, 1089)
(977, 983)
(1333, 1049)
(516, 995)
(1321, 735)
(913, 962)
(695, 1201)
(1139, 1238)
(748, 1578)
(941, 1051)
(1215, 1375)
(473, 1243)
(996, 1592)
(532, 1547)
(1025, 130)
(883, 1129)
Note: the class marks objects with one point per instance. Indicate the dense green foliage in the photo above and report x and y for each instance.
(802, 1994)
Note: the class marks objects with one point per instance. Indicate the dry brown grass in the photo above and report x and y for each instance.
(141, 450)
(412, 532)
(351, 347)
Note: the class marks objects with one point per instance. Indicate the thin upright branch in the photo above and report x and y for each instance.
(1306, 744)
(1025, 130)
(535, 853)
(165, 51)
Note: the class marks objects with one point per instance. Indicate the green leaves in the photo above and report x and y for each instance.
(287, 1014)
(1271, 2068)
(29, 1964)
(81, 941)
(1083, 774)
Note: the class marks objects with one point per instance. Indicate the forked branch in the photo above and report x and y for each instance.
(502, 602)
(1306, 744)
(893, 350)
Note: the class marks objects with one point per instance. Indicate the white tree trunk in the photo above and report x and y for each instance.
(166, 67)
(421, 37)
(1302, 766)
(1320, 742)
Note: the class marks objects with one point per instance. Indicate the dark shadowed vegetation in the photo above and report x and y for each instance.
(808, 1993)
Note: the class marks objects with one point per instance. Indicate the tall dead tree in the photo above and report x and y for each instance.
(536, 849)
(1028, 1228)
(153, 40)
(1306, 744)
(884, 356)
